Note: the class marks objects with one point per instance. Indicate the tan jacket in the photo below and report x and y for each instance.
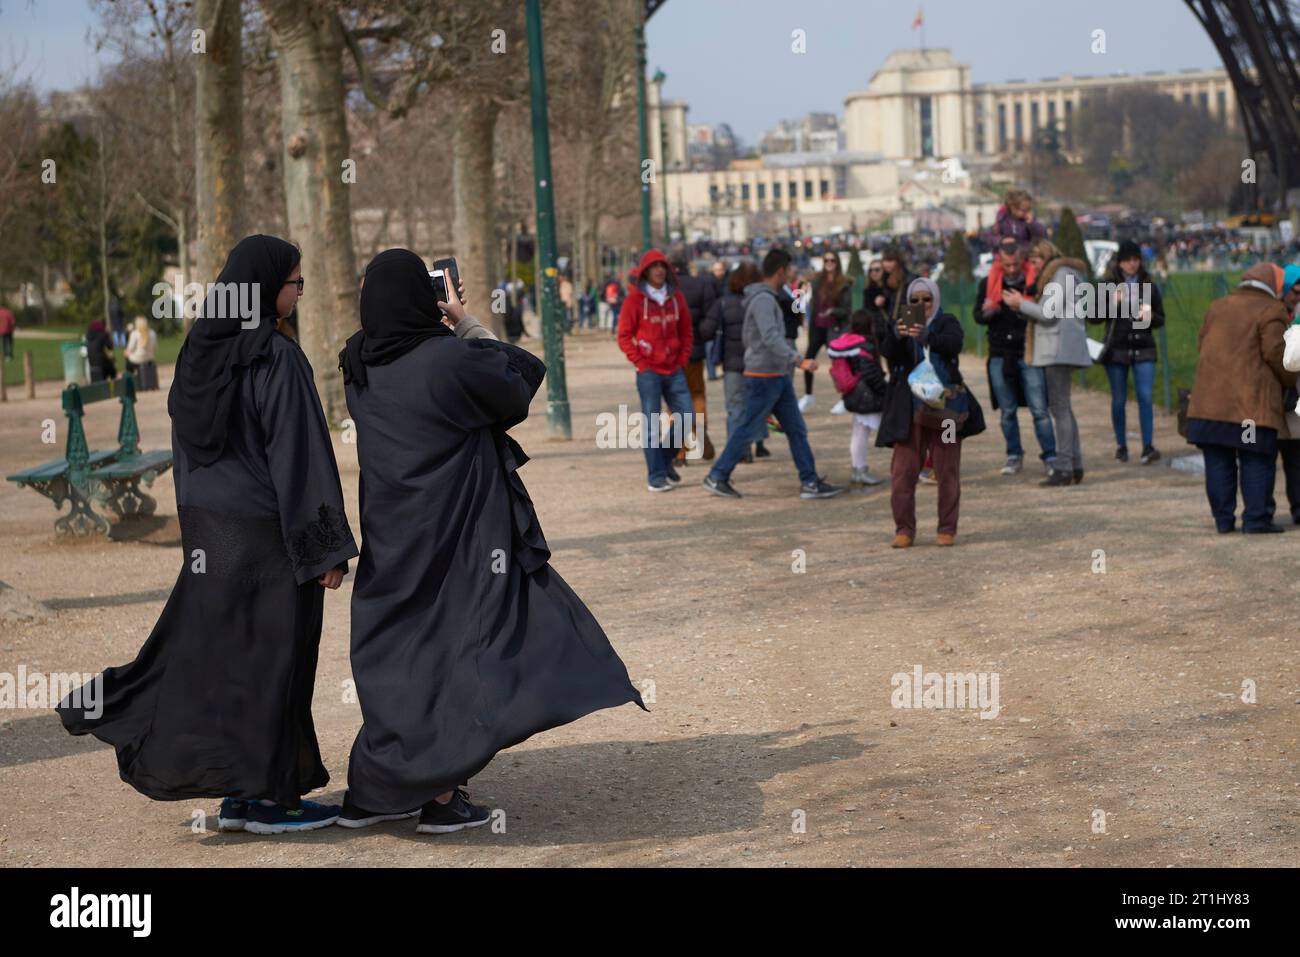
(1239, 375)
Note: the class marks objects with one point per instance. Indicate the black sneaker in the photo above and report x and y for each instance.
(761, 451)
(1150, 454)
(233, 814)
(1056, 478)
(1121, 454)
(660, 485)
(1270, 529)
(354, 816)
(455, 815)
(1078, 476)
(720, 487)
(820, 489)
(276, 819)
(674, 476)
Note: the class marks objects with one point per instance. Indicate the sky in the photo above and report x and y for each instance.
(731, 60)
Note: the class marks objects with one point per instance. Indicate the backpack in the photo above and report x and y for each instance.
(842, 354)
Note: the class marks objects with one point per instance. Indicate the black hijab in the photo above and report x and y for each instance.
(217, 347)
(398, 312)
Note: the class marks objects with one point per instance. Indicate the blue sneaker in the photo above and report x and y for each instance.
(233, 814)
(276, 819)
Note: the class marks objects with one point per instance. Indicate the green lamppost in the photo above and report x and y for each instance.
(645, 11)
(641, 127)
(659, 78)
(557, 393)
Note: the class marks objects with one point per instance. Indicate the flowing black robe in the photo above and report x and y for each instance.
(218, 701)
(464, 640)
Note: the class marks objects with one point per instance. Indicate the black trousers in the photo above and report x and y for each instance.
(1289, 451)
(817, 337)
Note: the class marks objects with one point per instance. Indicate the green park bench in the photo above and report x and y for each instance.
(110, 477)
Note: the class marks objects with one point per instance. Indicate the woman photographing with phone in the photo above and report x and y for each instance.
(464, 640)
(920, 331)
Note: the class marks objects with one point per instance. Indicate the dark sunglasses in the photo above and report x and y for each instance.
(919, 299)
(299, 282)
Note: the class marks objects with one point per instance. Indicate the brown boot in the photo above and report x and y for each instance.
(902, 541)
(946, 539)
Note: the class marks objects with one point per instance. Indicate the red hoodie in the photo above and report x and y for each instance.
(655, 338)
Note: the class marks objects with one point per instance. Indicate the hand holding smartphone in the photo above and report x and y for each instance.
(446, 286)
(912, 316)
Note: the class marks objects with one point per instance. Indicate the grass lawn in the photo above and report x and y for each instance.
(47, 361)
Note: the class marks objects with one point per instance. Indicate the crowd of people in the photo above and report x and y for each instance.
(748, 320)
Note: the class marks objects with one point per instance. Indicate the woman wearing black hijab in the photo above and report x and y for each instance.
(218, 701)
(464, 640)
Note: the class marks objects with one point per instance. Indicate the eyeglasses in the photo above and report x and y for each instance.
(299, 282)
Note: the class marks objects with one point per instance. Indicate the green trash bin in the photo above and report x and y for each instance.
(74, 363)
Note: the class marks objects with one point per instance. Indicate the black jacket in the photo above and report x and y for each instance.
(1125, 345)
(1006, 326)
(868, 395)
(700, 292)
(728, 314)
(793, 320)
(944, 337)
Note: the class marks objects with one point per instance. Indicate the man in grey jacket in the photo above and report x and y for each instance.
(769, 387)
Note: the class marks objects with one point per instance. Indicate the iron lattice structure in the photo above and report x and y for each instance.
(1260, 46)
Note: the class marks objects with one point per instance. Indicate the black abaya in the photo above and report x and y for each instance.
(464, 640)
(218, 701)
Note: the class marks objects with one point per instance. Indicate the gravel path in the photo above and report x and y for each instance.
(772, 739)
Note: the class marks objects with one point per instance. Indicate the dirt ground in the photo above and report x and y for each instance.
(772, 740)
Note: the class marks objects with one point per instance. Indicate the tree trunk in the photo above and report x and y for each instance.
(45, 298)
(309, 40)
(103, 224)
(475, 220)
(218, 140)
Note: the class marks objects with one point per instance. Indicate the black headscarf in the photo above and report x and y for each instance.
(398, 312)
(204, 389)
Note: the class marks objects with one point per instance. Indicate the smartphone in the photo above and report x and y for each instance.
(446, 280)
(913, 315)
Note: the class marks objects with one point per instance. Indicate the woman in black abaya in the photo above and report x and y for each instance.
(464, 640)
(218, 701)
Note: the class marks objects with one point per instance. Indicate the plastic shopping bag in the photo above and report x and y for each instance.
(925, 383)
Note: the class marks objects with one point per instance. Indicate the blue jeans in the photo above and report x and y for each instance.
(1035, 387)
(1144, 383)
(1257, 471)
(764, 394)
(656, 390)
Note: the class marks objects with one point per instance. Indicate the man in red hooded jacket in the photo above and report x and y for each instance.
(655, 333)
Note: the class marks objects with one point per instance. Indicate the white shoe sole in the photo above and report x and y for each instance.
(448, 828)
(666, 488)
(230, 824)
(377, 819)
(257, 827)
